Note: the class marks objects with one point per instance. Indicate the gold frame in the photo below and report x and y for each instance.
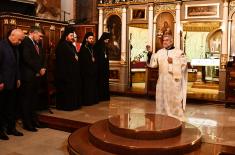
(138, 14)
(202, 10)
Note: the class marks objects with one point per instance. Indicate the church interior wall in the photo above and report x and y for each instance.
(196, 25)
(200, 21)
(48, 9)
(68, 7)
(86, 11)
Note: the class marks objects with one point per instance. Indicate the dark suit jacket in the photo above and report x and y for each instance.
(9, 67)
(30, 61)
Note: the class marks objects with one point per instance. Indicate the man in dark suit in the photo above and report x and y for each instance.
(32, 68)
(9, 82)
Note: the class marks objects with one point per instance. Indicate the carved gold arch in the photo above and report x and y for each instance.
(163, 9)
(110, 12)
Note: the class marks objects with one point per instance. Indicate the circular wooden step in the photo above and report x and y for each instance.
(78, 144)
(103, 138)
(145, 126)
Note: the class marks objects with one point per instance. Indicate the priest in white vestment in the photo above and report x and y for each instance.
(171, 88)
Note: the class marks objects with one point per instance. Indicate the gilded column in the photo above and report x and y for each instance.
(177, 27)
(224, 53)
(150, 25)
(123, 42)
(225, 29)
(229, 37)
(101, 24)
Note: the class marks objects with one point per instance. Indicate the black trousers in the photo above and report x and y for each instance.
(8, 106)
(29, 101)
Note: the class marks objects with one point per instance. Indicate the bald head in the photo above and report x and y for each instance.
(16, 36)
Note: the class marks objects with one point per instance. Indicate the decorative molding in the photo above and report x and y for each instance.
(109, 12)
(62, 29)
(223, 61)
(232, 4)
(109, 3)
(12, 21)
(52, 27)
(164, 1)
(160, 8)
(37, 24)
(165, 8)
(231, 9)
(139, 25)
(197, 26)
(6, 21)
(112, 11)
(30, 18)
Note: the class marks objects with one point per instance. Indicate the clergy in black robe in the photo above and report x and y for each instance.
(88, 71)
(102, 57)
(68, 78)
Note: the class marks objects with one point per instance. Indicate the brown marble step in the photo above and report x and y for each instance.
(145, 126)
(78, 144)
(61, 123)
(103, 138)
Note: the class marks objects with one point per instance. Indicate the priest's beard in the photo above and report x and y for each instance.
(90, 45)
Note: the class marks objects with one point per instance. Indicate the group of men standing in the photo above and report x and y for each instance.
(82, 77)
(22, 64)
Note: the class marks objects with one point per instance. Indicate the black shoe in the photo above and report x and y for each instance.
(14, 132)
(39, 125)
(3, 136)
(30, 128)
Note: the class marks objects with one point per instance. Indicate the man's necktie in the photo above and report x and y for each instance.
(37, 48)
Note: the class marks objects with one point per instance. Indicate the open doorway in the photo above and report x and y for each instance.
(138, 55)
(202, 45)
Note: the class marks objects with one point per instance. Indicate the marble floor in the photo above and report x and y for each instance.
(216, 123)
(44, 142)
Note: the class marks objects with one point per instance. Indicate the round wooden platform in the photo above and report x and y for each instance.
(103, 137)
(145, 126)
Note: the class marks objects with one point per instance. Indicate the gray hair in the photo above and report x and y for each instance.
(168, 36)
(36, 29)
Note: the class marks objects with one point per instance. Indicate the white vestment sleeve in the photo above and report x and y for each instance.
(180, 73)
(153, 61)
(179, 65)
